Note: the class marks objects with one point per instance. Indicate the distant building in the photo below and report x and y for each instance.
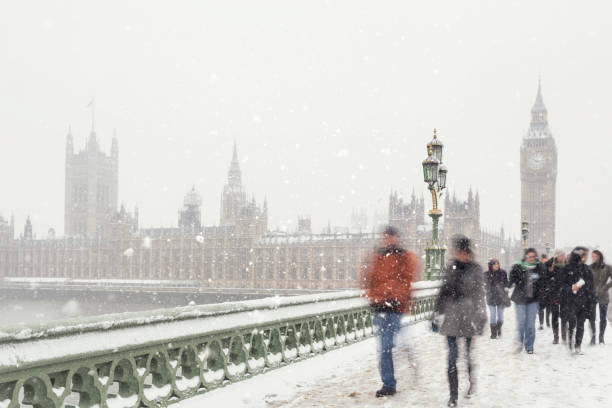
(27, 229)
(304, 225)
(359, 220)
(539, 178)
(91, 187)
(190, 216)
(240, 252)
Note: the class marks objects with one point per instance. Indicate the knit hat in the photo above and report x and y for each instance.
(462, 243)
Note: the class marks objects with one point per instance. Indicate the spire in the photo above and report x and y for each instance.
(234, 174)
(92, 105)
(538, 105)
(539, 117)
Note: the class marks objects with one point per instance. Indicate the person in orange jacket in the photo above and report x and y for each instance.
(388, 278)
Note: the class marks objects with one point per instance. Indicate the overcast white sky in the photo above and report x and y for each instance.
(331, 103)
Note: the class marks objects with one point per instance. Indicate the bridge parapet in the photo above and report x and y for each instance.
(156, 358)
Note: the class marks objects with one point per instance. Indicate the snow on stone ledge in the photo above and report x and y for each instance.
(98, 335)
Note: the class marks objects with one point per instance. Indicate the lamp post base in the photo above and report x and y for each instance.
(434, 252)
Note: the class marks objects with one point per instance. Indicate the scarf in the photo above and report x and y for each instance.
(532, 276)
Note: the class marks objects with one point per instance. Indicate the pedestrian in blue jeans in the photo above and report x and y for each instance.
(496, 285)
(387, 282)
(528, 278)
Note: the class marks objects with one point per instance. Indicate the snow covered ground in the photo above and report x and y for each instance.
(348, 376)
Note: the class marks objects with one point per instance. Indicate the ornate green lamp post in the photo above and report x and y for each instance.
(434, 173)
(525, 233)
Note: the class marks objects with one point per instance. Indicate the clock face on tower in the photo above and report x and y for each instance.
(536, 161)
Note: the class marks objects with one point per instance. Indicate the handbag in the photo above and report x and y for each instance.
(505, 298)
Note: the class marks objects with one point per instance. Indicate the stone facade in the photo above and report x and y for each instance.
(539, 178)
(240, 252)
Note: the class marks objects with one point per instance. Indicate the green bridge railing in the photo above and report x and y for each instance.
(156, 358)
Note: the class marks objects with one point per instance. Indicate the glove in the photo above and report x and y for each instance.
(434, 327)
(506, 290)
(436, 322)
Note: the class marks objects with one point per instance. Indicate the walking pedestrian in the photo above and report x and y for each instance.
(460, 311)
(543, 308)
(389, 274)
(526, 276)
(602, 279)
(496, 284)
(578, 282)
(552, 292)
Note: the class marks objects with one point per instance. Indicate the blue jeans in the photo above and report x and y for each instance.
(496, 314)
(388, 325)
(525, 320)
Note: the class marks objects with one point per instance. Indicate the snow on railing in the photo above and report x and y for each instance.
(154, 358)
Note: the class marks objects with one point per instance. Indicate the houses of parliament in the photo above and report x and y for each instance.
(104, 241)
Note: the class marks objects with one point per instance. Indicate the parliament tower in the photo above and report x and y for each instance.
(91, 187)
(539, 178)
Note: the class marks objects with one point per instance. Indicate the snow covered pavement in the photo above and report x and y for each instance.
(348, 377)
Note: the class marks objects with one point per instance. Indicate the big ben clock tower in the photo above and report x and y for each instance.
(539, 178)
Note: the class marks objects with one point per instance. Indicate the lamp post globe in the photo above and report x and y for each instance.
(430, 169)
(436, 146)
(442, 172)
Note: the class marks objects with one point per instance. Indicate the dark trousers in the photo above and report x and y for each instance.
(453, 354)
(544, 309)
(576, 319)
(603, 318)
(591, 318)
(555, 312)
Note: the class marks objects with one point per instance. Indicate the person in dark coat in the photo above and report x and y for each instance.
(527, 277)
(496, 284)
(460, 311)
(602, 279)
(552, 292)
(544, 309)
(580, 292)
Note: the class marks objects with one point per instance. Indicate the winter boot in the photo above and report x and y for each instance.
(493, 331)
(385, 391)
(453, 382)
(593, 340)
(570, 343)
(602, 330)
(499, 326)
(556, 336)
